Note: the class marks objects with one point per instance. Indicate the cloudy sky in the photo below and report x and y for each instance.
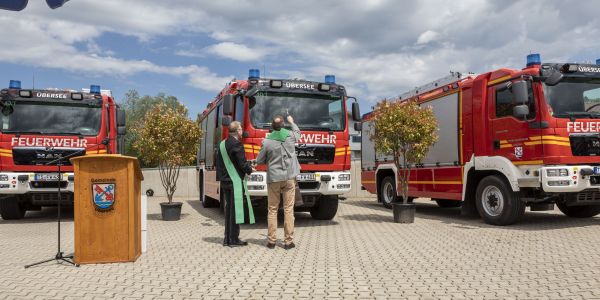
(376, 48)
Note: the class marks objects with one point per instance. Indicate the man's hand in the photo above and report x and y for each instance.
(253, 169)
(290, 119)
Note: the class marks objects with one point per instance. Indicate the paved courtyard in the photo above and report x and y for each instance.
(360, 254)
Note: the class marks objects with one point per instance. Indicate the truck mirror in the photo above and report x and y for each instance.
(121, 130)
(520, 91)
(226, 120)
(358, 126)
(120, 117)
(521, 111)
(355, 111)
(228, 104)
(554, 78)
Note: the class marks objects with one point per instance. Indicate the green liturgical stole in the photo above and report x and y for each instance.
(279, 135)
(238, 185)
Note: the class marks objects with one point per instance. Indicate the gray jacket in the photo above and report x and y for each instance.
(280, 157)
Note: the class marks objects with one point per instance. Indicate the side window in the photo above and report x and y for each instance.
(505, 102)
(239, 109)
(219, 131)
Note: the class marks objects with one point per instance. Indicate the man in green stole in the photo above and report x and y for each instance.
(232, 167)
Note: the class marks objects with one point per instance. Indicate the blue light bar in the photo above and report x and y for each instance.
(254, 73)
(534, 59)
(15, 84)
(598, 61)
(95, 89)
(330, 79)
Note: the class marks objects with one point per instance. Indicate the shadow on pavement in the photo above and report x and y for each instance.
(533, 221)
(46, 215)
(302, 219)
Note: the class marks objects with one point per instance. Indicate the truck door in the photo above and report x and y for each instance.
(510, 135)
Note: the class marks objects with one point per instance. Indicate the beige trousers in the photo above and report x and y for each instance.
(287, 189)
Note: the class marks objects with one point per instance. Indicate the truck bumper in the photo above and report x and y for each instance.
(568, 179)
(257, 184)
(16, 183)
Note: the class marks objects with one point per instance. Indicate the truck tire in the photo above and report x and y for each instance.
(325, 209)
(496, 203)
(11, 209)
(445, 203)
(586, 211)
(207, 202)
(387, 192)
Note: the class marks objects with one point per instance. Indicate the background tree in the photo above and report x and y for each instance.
(406, 131)
(169, 139)
(136, 107)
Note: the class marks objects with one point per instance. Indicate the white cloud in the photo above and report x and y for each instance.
(377, 48)
(427, 36)
(237, 52)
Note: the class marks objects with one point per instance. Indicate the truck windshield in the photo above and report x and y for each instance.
(310, 112)
(574, 97)
(45, 118)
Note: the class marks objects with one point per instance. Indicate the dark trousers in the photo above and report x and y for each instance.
(232, 230)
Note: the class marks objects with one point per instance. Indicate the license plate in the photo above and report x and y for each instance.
(46, 177)
(306, 177)
(596, 170)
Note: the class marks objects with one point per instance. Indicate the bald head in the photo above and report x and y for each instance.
(234, 128)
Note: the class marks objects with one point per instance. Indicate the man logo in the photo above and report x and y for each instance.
(305, 153)
(103, 195)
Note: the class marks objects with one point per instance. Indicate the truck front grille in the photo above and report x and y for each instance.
(309, 185)
(589, 195)
(315, 154)
(585, 145)
(38, 156)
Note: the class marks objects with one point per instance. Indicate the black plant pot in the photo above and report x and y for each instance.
(170, 211)
(404, 213)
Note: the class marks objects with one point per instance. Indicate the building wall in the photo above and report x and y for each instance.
(187, 187)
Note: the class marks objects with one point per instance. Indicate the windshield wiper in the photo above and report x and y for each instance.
(314, 128)
(588, 114)
(22, 132)
(63, 133)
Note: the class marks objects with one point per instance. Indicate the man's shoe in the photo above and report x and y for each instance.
(225, 243)
(238, 243)
(271, 245)
(289, 246)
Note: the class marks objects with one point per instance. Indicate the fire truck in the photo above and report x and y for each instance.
(508, 139)
(319, 110)
(41, 126)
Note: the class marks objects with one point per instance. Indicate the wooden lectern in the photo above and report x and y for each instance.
(107, 208)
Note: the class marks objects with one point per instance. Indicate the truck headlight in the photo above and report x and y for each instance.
(557, 172)
(256, 178)
(344, 177)
(3, 177)
(558, 183)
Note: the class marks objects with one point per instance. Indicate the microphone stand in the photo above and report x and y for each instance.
(59, 161)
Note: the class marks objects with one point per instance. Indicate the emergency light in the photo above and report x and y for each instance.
(254, 74)
(95, 89)
(330, 79)
(533, 59)
(598, 61)
(14, 84)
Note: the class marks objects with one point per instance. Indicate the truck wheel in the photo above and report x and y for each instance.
(11, 209)
(325, 209)
(387, 192)
(586, 211)
(496, 203)
(445, 203)
(206, 201)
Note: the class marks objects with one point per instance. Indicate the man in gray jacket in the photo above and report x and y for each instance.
(278, 152)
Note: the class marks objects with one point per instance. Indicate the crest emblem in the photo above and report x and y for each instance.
(518, 152)
(103, 195)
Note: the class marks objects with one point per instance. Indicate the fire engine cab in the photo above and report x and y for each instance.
(508, 139)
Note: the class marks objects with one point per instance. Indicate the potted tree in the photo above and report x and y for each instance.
(405, 131)
(169, 139)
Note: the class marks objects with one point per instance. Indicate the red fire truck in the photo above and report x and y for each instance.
(319, 109)
(507, 139)
(40, 126)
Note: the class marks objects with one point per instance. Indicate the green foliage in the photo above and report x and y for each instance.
(169, 139)
(136, 107)
(406, 131)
